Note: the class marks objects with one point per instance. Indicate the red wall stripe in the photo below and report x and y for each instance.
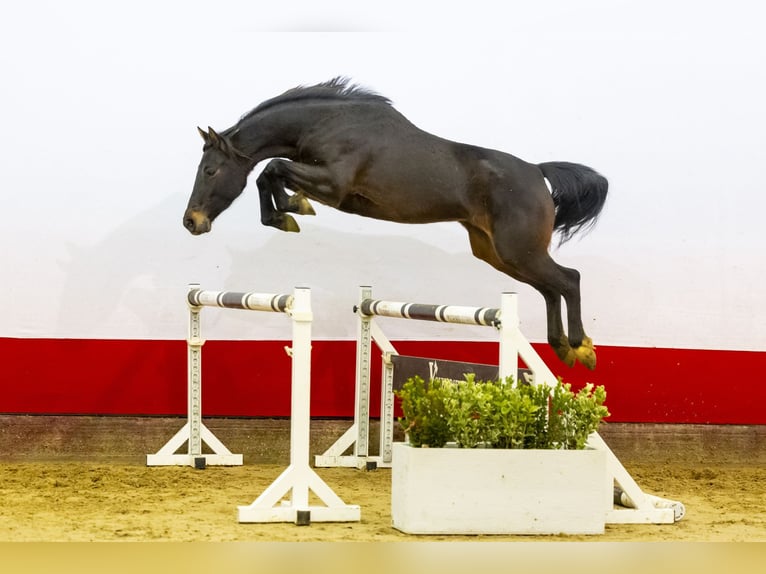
(252, 378)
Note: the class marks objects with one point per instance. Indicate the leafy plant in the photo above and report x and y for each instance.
(499, 414)
(424, 410)
(469, 413)
(520, 414)
(573, 417)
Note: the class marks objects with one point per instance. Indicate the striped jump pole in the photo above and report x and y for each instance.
(232, 300)
(484, 316)
(504, 319)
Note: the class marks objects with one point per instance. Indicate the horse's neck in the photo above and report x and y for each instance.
(276, 131)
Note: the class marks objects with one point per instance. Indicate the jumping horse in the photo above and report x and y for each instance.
(347, 147)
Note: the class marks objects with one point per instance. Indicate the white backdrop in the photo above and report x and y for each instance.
(100, 103)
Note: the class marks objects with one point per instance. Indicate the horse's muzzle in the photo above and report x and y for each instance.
(196, 222)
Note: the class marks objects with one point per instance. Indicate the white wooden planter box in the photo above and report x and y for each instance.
(498, 491)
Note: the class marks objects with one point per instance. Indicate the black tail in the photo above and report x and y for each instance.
(579, 194)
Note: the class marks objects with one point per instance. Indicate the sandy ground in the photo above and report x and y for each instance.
(717, 472)
(78, 501)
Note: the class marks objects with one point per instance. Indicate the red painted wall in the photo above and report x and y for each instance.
(252, 378)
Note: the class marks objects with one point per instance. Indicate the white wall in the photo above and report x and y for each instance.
(100, 104)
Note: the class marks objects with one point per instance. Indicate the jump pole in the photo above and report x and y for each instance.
(643, 508)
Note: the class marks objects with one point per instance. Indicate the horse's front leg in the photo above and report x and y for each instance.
(271, 190)
(268, 190)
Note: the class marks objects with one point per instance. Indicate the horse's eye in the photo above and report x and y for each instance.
(211, 171)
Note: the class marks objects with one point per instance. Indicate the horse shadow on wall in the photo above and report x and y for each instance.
(136, 276)
(127, 281)
(334, 264)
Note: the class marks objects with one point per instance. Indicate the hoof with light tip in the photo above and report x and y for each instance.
(289, 224)
(300, 205)
(567, 355)
(586, 354)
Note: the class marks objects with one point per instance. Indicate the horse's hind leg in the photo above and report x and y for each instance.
(483, 247)
(555, 281)
(557, 339)
(580, 342)
(511, 251)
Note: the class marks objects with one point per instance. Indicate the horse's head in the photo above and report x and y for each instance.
(221, 177)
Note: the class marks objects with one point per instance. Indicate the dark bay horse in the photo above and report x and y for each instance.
(348, 148)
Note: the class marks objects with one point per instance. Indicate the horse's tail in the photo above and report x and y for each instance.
(579, 194)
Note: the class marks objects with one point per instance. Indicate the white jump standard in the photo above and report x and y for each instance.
(644, 508)
(299, 479)
(194, 432)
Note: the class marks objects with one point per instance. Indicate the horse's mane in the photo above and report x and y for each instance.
(339, 88)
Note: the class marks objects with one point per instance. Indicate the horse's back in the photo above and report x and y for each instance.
(349, 128)
(407, 174)
(376, 147)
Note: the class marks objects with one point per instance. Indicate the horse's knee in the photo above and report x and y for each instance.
(264, 177)
(270, 175)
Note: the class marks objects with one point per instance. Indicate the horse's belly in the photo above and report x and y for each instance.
(400, 209)
(408, 188)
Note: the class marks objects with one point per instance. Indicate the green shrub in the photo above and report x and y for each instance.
(499, 414)
(425, 417)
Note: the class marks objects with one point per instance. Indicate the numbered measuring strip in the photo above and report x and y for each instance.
(486, 316)
(234, 300)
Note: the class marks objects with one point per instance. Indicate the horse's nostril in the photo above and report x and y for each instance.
(189, 223)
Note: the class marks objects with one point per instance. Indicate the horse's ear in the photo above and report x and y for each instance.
(215, 139)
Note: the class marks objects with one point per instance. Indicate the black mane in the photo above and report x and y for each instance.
(339, 88)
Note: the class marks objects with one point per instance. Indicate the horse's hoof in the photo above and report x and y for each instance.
(305, 208)
(567, 355)
(586, 354)
(289, 224)
(299, 204)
